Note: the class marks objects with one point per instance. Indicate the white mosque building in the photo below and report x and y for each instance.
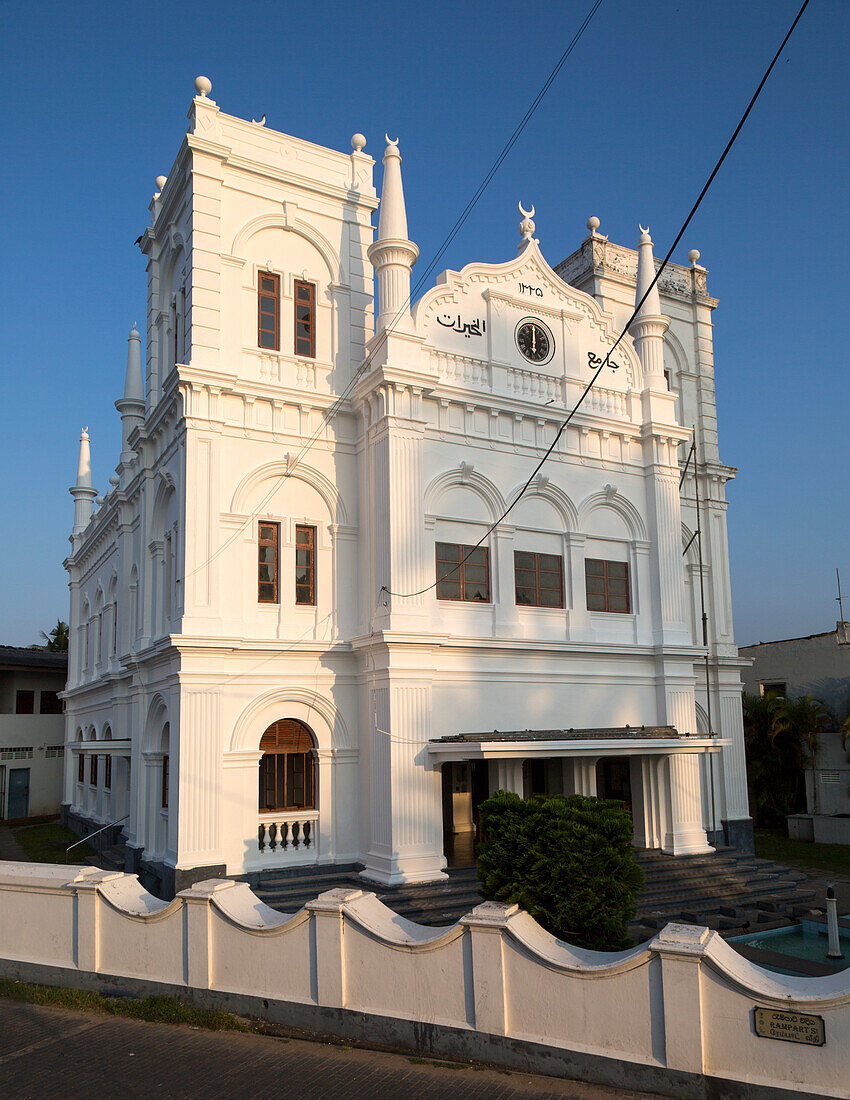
(284, 650)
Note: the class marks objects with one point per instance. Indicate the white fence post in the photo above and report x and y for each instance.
(87, 902)
(198, 946)
(681, 948)
(487, 924)
(327, 919)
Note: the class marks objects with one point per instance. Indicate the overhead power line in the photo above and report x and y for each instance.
(339, 401)
(603, 364)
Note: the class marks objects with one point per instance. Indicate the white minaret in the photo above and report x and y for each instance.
(650, 324)
(392, 254)
(132, 405)
(82, 492)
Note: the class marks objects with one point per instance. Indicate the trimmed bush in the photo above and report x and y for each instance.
(568, 861)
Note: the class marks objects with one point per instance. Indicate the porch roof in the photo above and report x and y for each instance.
(595, 734)
(604, 741)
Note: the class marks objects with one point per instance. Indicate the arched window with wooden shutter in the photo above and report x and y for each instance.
(287, 767)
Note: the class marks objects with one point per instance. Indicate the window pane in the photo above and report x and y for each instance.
(523, 560)
(303, 594)
(280, 794)
(618, 603)
(550, 580)
(550, 562)
(595, 585)
(302, 576)
(476, 557)
(266, 592)
(302, 557)
(595, 602)
(617, 569)
(268, 305)
(267, 340)
(302, 292)
(477, 592)
(474, 573)
(448, 590)
(267, 283)
(525, 577)
(447, 551)
(619, 588)
(526, 596)
(303, 535)
(550, 598)
(594, 567)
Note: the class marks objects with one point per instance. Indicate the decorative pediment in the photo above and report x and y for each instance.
(522, 316)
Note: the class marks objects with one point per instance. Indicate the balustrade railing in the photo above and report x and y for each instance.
(287, 832)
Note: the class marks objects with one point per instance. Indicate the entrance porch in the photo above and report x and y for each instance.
(654, 770)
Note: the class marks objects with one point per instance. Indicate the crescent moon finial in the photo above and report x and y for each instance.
(641, 228)
(526, 213)
(390, 140)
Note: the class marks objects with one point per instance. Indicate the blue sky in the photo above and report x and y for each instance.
(94, 107)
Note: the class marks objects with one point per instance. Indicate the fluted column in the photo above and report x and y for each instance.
(685, 833)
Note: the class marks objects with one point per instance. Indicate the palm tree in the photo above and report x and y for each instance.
(57, 639)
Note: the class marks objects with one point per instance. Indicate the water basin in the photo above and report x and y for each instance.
(806, 941)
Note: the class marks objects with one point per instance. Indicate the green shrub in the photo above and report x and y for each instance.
(568, 861)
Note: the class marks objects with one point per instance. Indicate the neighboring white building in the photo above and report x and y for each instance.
(253, 602)
(32, 731)
(816, 665)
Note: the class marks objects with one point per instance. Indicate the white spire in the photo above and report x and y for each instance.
(82, 490)
(392, 220)
(134, 387)
(645, 274)
(132, 405)
(392, 254)
(650, 324)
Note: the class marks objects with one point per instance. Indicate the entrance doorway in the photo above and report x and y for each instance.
(19, 792)
(466, 785)
(613, 779)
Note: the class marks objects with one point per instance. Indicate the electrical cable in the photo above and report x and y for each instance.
(599, 369)
(338, 402)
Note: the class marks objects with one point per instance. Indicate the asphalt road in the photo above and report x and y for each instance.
(53, 1052)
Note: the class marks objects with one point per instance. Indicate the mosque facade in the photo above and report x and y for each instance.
(327, 605)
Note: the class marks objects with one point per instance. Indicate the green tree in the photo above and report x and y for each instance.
(569, 862)
(782, 737)
(57, 639)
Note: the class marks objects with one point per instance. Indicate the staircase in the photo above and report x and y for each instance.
(111, 859)
(726, 890)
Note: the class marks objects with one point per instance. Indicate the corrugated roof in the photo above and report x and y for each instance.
(614, 733)
(13, 656)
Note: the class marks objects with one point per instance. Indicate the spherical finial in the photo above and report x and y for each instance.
(593, 224)
(203, 86)
(160, 182)
(693, 255)
(113, 481)
(358, 141)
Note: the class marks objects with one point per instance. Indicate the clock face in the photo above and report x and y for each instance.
(534, 340)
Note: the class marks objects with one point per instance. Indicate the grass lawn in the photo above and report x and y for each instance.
(47, 843)
(774, 844)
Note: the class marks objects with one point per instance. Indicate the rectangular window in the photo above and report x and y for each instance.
(16, 752)
(49, 702)
(286, 781)
(52, 752)
(305, 319)
(114, 628)
(93, 770)
(24, 702)
(459, 579)
(164, 795)
(607, 585)
(268, 311)
(81, 769)
(305, 565)
(778, 690)
(268, 561)
(107, 772)
(539, 579)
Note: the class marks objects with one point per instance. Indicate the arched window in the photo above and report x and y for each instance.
(287, 767)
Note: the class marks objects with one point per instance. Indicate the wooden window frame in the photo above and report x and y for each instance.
(163, 794)
(107, 772)
(310, 584)
(274, 543)
(445, 572)
(266, 295)
(81, 768)
(537, 602)
(297, 285)
(93, 770)
(607, 594)
(285, 745)
(24, 701)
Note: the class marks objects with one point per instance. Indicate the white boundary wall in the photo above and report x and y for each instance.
(680, 1005)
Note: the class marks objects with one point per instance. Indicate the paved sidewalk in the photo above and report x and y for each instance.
(52, 1052)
